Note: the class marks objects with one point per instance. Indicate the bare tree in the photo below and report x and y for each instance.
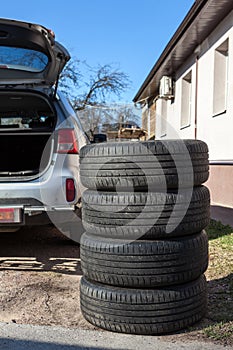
(97, 86)
(91, 119)
(70, 78)
(107, 117)
(102, 83)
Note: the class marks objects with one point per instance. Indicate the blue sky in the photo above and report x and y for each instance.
(129, 33)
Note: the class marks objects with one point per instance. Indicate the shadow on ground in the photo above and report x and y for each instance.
(223, 214)
(39, 249)
(10, 344)
(220, 301)
(216, 230)
(218, 322)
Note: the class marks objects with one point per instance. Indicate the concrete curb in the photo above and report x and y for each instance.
(23, 337)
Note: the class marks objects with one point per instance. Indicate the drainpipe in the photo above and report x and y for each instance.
(196, 99)
(148, 119)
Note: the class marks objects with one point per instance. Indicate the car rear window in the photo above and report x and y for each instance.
(22, 59)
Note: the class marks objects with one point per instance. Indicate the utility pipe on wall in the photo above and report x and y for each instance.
(196, 99)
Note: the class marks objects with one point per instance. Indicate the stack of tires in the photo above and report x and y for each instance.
(145, 250)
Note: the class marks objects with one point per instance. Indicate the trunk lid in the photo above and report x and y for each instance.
(29, 54)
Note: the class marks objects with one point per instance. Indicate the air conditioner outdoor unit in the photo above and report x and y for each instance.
(165, 87)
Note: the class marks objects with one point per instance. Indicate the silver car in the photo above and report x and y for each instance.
(40, 133)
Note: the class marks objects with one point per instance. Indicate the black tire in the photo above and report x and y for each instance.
(125, 165)
(143, 311)
(146, 215)
(144, 264)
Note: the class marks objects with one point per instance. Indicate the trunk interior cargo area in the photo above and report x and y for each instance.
(27, 121)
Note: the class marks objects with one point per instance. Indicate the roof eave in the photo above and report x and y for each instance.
(144, 91)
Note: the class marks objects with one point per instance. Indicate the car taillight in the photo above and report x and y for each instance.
(70, 190)
(67, 142)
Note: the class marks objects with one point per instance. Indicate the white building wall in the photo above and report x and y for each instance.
(217, 131)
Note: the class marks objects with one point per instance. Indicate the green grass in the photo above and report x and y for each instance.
(219, 325)
(221, 331)
(216, 230)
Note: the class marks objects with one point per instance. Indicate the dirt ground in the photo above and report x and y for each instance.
(39, 282)
(39, 278)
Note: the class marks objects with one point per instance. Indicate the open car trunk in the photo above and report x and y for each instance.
(27, 122)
